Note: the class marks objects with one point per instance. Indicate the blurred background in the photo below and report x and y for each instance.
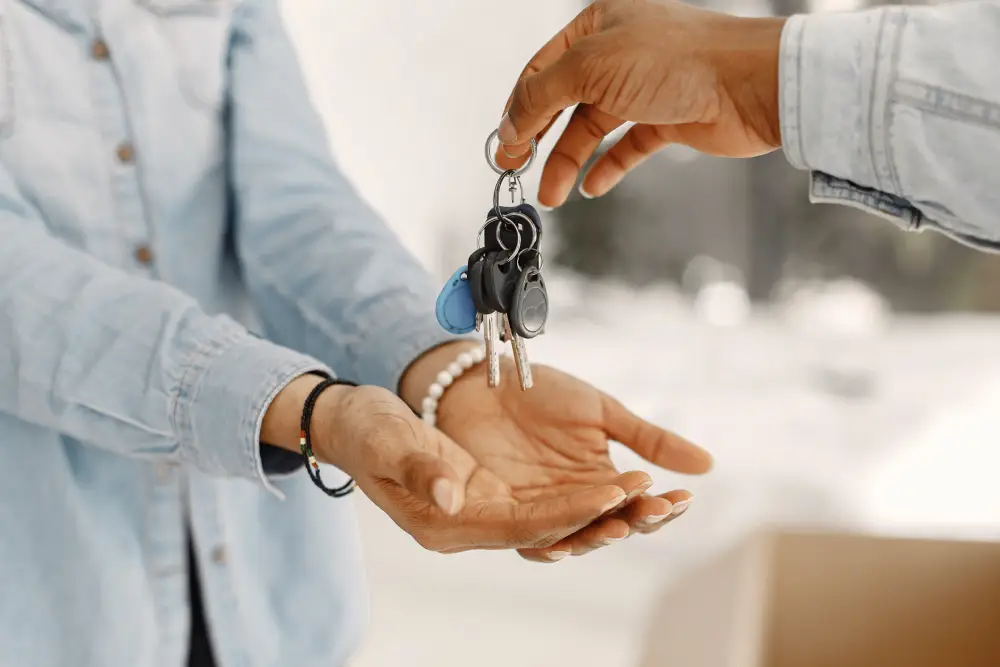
(845, 374)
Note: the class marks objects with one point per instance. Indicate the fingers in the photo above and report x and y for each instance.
(532, 106)
(647, 514)
(654, 444)
(408, 452)
(432, 480)
(540, 523)
(507, 160)
(650, 513)
(583, 134)
(630, 151)
(596, 535)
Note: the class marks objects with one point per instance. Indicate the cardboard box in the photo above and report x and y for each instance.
(834, 600)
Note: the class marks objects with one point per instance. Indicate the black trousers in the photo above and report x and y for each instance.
(200, 652)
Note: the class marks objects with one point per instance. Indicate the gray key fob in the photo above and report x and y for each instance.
(529, 308)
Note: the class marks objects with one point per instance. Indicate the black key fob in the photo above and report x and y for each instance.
(476, 263)
(530, 305)
(499, 279)
(527, 225)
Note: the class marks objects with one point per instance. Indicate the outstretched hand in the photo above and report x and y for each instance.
(552, 442)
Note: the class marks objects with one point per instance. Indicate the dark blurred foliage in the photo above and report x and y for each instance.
(755, 215)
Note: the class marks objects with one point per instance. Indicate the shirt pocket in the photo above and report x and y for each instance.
(197, 35)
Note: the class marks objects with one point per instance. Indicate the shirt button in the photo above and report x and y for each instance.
(99, 50)
(219, 555)
(162, 473)
(125, 153)
(144, 255)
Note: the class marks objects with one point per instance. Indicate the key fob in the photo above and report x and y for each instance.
(498, 281)
(530, 306)
(529, 238)
(532, 213)
(456, 313)
(476, 263)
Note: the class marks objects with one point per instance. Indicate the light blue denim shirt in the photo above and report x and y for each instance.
(165, 182)
(897, 111)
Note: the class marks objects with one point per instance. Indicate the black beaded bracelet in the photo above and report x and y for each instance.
(305, 440)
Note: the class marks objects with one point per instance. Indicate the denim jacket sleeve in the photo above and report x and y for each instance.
(327, 276)
(897, 111)
(125, 363)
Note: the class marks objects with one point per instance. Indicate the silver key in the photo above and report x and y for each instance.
(492, 338)
(520, 356)
(479, 322)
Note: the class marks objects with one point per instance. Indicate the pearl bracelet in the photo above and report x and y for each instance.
(445, 378)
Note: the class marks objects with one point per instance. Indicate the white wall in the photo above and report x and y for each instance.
(410, 90)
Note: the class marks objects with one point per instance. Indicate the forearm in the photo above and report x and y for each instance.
(897, 111)
(128, 364)
(327, 275)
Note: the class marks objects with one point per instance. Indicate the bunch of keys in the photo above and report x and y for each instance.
(500, 291)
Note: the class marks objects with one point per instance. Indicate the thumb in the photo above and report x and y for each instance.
(540, 97)
(432, 480)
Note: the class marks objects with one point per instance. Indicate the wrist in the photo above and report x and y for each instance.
(748, 73)
(282, 421)
(423, 371)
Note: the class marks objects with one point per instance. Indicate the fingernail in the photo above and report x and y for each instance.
(612, 504)
(611, 540)
(506, 133)
(584, 193)
(557, 555)
(445, 495)
(544, 207)
(654, 519)
(639, 490)
(681, 506)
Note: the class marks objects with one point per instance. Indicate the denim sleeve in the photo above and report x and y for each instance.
(124, 363)
(327, 276)
(897, 111)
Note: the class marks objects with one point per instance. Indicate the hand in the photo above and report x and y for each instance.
(432, 488)
(685, 75)
(552, 441)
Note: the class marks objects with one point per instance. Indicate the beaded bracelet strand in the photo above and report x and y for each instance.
(305, 440)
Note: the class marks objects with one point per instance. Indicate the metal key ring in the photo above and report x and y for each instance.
(500, 170)
(541, 260)
(510, 173)
(517, 246)
(494, 218)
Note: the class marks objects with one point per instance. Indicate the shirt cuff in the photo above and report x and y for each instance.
(835, 73)
(229, 383)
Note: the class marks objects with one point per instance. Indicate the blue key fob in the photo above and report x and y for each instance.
(456, 313)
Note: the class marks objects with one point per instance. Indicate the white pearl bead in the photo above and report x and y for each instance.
(478, 354)
(430, 419)
(430, 404)
(465, 360)
(444, 378)
(455, 369)
(435, 390)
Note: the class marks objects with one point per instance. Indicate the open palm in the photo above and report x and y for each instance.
(553, 440)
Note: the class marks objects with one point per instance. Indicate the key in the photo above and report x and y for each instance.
(530, 306)
(521, 362)
(492, 339)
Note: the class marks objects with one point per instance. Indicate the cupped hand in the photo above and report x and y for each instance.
(552, 441)
(684, 75)
(433, 488)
